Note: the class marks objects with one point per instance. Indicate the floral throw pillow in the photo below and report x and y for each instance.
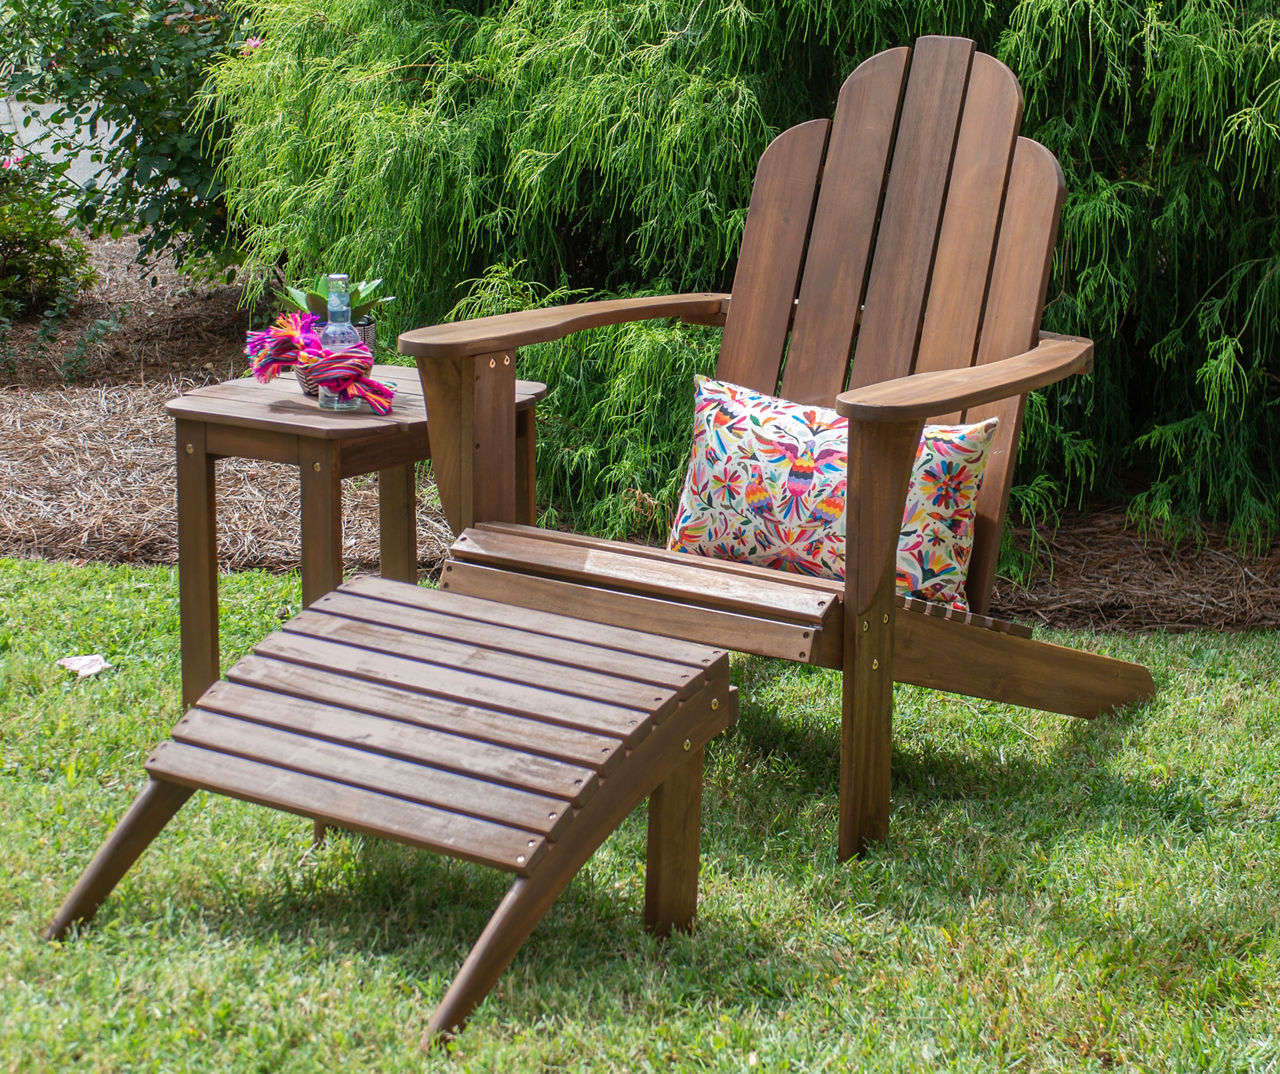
(766, 485)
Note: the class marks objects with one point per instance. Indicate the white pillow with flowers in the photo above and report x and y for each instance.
(767, 479)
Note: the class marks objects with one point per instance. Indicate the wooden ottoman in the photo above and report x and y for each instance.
(515, 738)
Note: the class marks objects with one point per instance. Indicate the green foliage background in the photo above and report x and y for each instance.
(540, 147)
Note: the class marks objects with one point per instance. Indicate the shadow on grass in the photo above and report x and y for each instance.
(419, 914)
(1069, 789)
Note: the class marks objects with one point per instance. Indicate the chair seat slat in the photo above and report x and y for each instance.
(667, 577)
(678, 618)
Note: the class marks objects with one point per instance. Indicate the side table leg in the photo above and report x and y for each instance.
(398, 523)
(197, 562)
(321, 495)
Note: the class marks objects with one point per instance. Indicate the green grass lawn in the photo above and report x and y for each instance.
(1054, 894)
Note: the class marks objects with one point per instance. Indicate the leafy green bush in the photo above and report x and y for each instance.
(1166, 119)
(131, 68)
(611, 146)
(40, 259)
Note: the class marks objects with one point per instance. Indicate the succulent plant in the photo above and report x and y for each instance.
(315, 298)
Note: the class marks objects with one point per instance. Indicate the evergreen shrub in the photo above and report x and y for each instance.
(610, 148)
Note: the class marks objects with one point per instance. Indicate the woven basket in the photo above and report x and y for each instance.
(368, 336)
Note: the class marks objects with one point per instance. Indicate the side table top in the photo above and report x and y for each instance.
(282, 406)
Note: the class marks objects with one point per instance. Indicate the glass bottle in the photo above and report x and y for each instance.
(339, 334)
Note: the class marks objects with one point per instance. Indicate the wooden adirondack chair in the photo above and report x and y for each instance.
(914, 231)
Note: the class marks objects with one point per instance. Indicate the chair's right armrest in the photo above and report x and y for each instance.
(503, 333)
(920, 395)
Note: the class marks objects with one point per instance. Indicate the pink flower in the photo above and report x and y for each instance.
(12, 161)
(251, 44)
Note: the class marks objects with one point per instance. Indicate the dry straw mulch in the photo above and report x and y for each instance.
(168, 327)
(89, 474)
(1099, 573)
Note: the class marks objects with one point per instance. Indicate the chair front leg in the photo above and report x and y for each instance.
(471, 425)
(880, 460)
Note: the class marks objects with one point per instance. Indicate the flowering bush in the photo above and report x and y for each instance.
(133, 67)
(40, 258)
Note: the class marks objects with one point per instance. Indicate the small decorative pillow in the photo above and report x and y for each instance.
(766, 485)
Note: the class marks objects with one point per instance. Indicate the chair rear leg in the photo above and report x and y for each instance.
(150, 812)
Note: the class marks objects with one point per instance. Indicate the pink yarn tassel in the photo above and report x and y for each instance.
(346, 373)
(293, 340)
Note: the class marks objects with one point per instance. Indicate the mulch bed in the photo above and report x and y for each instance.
(1095, 571)
(87, 473)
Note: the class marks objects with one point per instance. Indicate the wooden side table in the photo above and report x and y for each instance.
(276, 422)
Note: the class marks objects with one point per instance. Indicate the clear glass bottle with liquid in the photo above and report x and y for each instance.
(338, 334)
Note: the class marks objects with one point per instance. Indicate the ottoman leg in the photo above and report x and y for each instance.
(666, 764)
(150, 812)
(675, 834)
(524, 905)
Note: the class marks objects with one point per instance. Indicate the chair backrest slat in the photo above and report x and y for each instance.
(913, 201)
(979, 171)
(772, 256)
(844, 225)
(1015, 302)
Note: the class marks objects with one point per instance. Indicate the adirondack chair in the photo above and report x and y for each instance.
(913, 232)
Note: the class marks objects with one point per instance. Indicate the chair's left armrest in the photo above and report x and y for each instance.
(923, 395)
(468, 383)
(505, 332)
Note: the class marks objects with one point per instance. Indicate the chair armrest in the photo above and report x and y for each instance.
(922, 395)
(505, 332)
